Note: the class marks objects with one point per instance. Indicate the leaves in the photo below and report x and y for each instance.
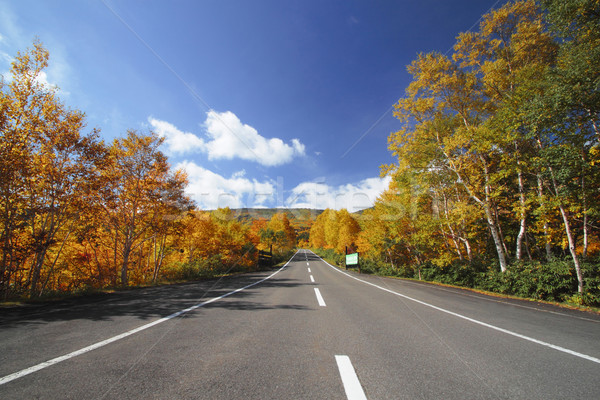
(498, 147)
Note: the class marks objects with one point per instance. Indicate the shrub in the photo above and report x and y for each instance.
(201, 269)
(331, 256)
(550, 281)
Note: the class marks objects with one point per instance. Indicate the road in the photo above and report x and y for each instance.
(306, 331)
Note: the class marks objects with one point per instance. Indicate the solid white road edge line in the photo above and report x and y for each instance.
(475, 321)
(354, 390)
(45, 364)
(320, 298)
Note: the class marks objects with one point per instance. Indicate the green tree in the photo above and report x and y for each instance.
(575, 79)
(509, 55)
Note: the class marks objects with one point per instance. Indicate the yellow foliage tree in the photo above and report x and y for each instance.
(317, 232)
(280, 233)
(331, 227)
(348, 230)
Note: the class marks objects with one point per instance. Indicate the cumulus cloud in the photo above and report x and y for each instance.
(177, 141)
(211, 190)
(352, 196)
(40, 79)
(228, 138)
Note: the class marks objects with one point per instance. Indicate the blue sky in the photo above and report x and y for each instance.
(264, 103)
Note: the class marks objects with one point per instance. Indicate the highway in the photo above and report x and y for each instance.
(304, 331)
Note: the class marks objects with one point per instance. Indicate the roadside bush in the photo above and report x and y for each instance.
(591, 279)
(550, 281)
(331, 256)
(453, 274)
(200, 269)
(281, 257)
(400, 271)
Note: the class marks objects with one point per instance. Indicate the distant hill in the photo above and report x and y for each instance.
(360, 212)
(299, 217)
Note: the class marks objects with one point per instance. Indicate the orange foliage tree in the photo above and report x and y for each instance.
(46, 166)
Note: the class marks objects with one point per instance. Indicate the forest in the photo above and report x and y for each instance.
(78, 214)
(496, 184)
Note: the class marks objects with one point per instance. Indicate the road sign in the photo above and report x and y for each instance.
(352, 259)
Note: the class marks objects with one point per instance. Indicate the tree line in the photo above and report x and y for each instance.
(78, 213)
(498, 151)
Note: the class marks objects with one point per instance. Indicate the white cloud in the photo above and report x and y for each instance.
(211, 190)
(5, 59)
(42, 79)
(58, 75)
(352, 197)
(299, 148)
(230, 138)
(177, 141)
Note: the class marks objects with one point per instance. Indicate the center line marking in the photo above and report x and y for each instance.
(354, 390)
(309, 270)
(312, 279)
(319, 298)
(307, 263)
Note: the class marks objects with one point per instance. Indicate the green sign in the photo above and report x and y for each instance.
(352, 259)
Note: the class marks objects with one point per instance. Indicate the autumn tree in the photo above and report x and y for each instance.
(448, 108)
(464, 116)
(317, 232)
(331, 228)
(46, 166)
(168, 225)
(509, 54)
(334, 230)
(256, 228)
(136, 185)
(216, 241)
(280, 232)
(348, 230)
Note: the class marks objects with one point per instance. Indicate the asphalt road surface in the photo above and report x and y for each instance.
(306, 331)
